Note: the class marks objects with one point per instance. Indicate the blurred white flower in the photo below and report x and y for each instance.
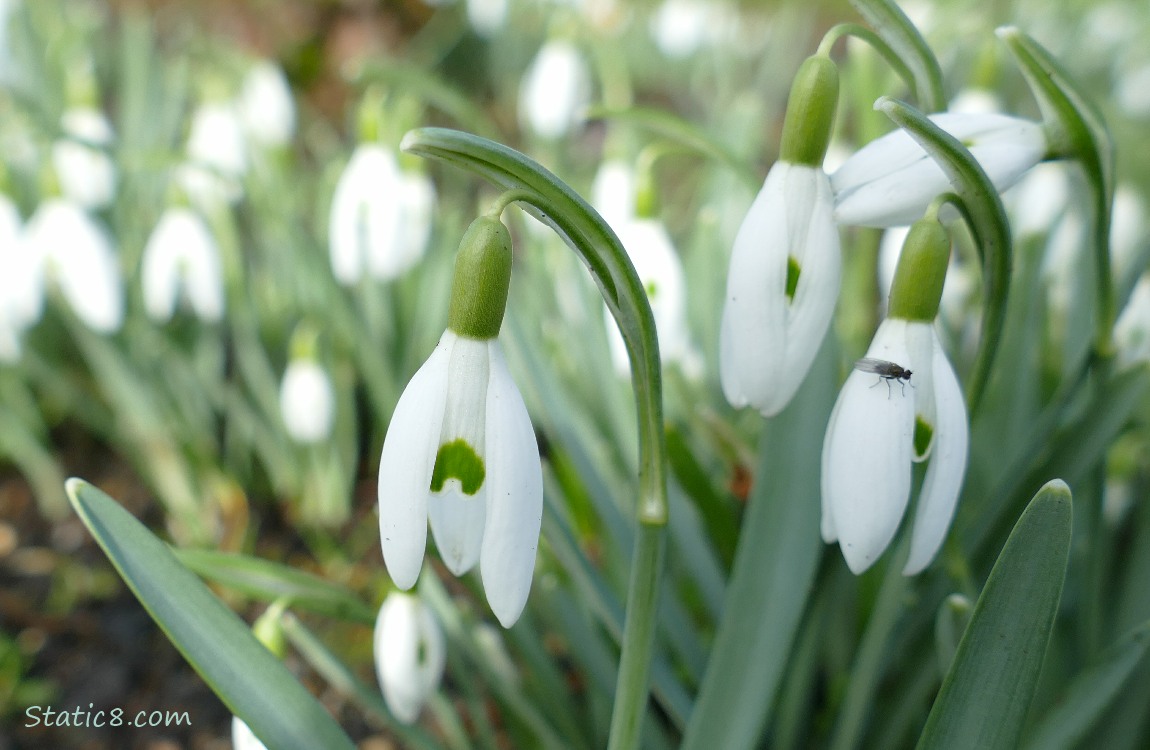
(661, 272)
(266, 106)
(1127, 231)
(381, 217)
(460, 452)
(1132, 331)
(613, 192)
(874, 435)
(1038, 202)
(781, 289)
(242, 737)
(680, 27)
(217, 155)
(21, 288)
(181, 252)
(891, 180)
(555, 90)
(410, 654)
(487, 17)
(307, 401)
(68, 247)
(86, 172)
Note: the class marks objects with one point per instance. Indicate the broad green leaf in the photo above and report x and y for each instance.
(774, 568)
(986, 694)
(254, 684)
(1067, 723)
(269, 581)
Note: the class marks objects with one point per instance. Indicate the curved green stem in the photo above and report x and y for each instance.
(897, 30)
(876, 42)
(982, 209)
(1076, 130)
(553, 202)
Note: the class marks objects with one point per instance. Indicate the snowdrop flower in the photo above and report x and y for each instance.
(786, 265)
(555, 90)
(1132, 331)
(266, 106)
(181, 252)
(890, 181)
(875, 433)
(381, 217)
(68, 246)
(460, 451)
(487, 16)
(87, 174)
(613, 192)
(21, 285)
(680, 27)
(217, 155)
(307, 401)
(410, 654)
(659, 268)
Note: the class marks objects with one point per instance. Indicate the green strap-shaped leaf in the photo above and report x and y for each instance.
(1067, 723)
(984, 213)
(775, 563)
(269, 581)
(987, 692)
(253, 683)
(1076, 130)
(897, 31)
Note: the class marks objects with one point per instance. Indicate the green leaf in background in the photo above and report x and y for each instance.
(253, 683)
(1066, 724)
(778, 554)
(984, 699)
(269, 581)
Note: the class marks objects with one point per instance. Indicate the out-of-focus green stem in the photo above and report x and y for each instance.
(868, 664)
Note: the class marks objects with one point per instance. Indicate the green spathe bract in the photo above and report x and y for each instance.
(458, 460)
(482, 276)
(810, 112)
(921, 272)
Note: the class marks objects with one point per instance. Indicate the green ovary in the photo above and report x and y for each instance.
(458, 460)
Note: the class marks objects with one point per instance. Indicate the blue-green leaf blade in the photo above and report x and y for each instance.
(986, 694)
(253, 683)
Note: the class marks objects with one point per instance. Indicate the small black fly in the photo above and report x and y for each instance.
(887, 371)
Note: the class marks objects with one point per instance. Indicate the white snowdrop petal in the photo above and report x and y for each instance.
(943, 482)
(816, 248)
(266, 106)
(752, 335)
(216, 139)
(181, 251)
(366, 211)
(457, 517)
(867, 456)
(613, 192)
(514, 497)
(406, 464)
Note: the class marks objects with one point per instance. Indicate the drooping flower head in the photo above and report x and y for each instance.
(460, 451)
(785, 266)
(876, 433)
(555, 90)
(182, 259)
(410, 654)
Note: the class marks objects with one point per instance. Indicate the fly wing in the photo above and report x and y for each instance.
(877, 366)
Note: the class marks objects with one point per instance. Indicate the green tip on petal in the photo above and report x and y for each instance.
(458, 460)
(810, 112)
(482, 276)
(921, 272)
(923, 435)
(793, 273)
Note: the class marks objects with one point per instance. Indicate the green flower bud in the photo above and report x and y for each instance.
(810, 112)
(482, 276)
(921, 271)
